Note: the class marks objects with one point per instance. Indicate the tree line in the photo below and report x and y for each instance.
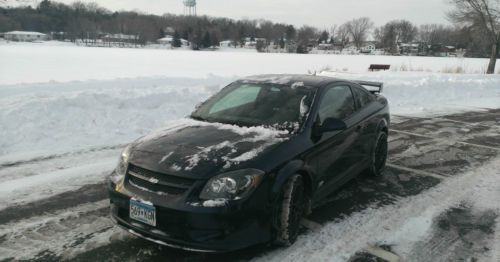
(89, 20)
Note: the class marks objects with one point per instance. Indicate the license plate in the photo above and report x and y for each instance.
(142, 212)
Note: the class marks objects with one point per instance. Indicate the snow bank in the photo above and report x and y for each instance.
(47, 118)
(44, 119)
(401, 224)
(425, 94)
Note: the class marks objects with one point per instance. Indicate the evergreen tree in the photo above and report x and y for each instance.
(324, 37)
(206, 42)
(176, 42)
(282, 43)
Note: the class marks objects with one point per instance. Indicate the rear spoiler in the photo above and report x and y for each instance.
(365, 84)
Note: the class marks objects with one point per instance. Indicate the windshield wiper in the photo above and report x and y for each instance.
(199, 118)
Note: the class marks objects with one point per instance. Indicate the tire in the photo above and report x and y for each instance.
(379, 155)
(289, 211)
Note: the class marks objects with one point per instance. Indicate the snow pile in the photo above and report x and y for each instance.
(41, 119)
(401, 224)
(47, 118)
(425, 94)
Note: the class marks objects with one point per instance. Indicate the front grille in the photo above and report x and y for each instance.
(159, 183)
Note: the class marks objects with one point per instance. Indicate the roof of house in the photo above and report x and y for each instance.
(23, 33)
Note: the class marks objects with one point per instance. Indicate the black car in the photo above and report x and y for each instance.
(250, 162)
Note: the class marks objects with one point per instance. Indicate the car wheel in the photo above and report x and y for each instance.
(289, 211)
(379, 155)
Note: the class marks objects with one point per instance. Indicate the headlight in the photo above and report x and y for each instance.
(232, 185)
(120, 170)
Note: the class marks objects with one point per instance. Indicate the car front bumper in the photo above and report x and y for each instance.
(195, 228)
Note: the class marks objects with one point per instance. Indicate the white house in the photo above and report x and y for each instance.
(368, 48)
(25, 36)
(226, 43)
(350, 49)
(169, 40)
(252, 44)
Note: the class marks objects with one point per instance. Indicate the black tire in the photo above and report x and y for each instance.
(289, 211)
(379, 155)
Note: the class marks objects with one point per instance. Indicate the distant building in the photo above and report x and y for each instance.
(169, 40)
(414, 48)
(350, 49)
(368, 48)
(25, 36)
(251, 42)
(325, 46)
(120, 38)
(226, 43)
(443, 51)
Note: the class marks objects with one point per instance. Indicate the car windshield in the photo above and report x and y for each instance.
(258, 104)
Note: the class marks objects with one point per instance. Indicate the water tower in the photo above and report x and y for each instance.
(190, 7)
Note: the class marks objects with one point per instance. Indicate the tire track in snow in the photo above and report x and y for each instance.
(16, 163)
(37, 180)
(86, 194)
(59, 235)
(400, 225)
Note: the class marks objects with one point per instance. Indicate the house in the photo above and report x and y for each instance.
(25, 36)
(226, 43)
(368, 48)
(325, 46)
(251, 42)
(122, 38)
(350, 49)
(414, 48)
(442, 50)
(168, 40)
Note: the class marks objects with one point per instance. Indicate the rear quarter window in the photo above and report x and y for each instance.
(362, 97)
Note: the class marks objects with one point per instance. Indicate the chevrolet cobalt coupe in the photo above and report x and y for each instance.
(250, 162)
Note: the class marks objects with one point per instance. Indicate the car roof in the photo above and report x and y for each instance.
(290, 79)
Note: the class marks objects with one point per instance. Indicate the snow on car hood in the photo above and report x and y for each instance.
(190, 146)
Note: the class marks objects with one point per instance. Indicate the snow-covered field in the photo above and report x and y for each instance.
(66, 111)
(43, 62)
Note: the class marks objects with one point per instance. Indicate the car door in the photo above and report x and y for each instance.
(367, 124)
(334, 153)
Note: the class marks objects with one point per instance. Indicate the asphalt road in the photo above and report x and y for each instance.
(423, 152)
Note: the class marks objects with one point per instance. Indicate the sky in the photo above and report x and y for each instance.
(319, 13)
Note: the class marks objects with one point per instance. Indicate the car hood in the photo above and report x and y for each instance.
(200, 149)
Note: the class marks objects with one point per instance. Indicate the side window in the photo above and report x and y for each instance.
(363, 98)
(238, 97)
(337, 102)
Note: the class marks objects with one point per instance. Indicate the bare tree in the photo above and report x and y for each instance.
(434, 34)
(358, 30)
(394, 32)
(483, 16)
(342, 35)
(307, 34)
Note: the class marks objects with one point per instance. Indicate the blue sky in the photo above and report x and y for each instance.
(321, 13)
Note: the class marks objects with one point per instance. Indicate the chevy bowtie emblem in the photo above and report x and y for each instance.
(153, 180)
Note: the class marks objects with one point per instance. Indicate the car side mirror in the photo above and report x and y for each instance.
(331, 124)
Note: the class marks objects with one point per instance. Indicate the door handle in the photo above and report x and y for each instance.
(360, 127)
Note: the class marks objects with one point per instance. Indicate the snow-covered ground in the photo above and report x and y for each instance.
(43, 62)
(402, 225)
(66, 111)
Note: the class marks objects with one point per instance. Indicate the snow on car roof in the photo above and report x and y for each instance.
(290, 79)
